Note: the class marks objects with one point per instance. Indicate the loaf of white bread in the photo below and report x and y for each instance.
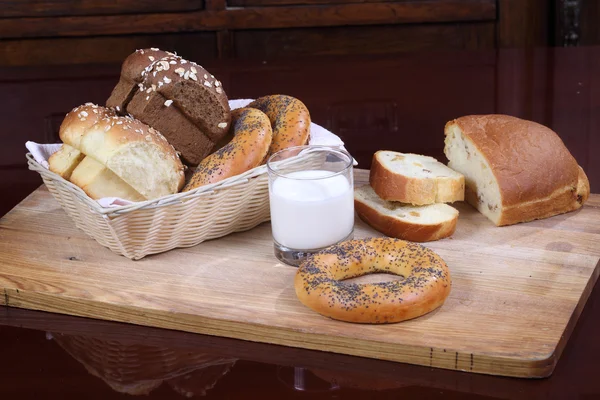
(515, 170)
(406, 195)
(111, 156)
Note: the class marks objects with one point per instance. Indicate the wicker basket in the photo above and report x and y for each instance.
(184, 219)
(136, 369)
(180, 220)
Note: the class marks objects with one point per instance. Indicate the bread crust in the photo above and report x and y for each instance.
(131, 76)
(79, 120)
(530, 161)
(392, 186)
(405, 230)
(536, 174)
(559, 202)
(248, 148)
(395, 187)
(425, 286)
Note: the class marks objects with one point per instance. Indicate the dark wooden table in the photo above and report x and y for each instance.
(399, 103)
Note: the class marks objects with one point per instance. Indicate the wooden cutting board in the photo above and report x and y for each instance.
(516, 296)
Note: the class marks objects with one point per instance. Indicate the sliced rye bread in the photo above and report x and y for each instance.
(405, 221)
(177, 97)
(414, 179)
(132, 74)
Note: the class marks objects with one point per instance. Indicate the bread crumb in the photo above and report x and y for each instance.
(222, 125)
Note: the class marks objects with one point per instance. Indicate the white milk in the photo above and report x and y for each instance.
(311, 214)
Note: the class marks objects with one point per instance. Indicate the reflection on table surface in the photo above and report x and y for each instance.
(70, 356)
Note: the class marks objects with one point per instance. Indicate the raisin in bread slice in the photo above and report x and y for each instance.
(414, 179)
(405, 221)
(515, 170)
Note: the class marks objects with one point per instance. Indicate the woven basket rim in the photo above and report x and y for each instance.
(162, 201)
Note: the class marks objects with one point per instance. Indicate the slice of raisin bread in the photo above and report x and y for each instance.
(414, 179)
(515, 170)
(404, 221)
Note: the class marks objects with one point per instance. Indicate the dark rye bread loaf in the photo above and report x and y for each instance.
(132, 75)
(183, 101)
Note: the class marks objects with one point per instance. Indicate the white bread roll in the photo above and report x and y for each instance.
(64, 161)
(414, 179)
(98, 182)
(76, 122)
(133, 151)
(405, 221)
(515, 170)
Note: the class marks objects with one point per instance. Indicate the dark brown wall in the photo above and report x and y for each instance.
(41, 32)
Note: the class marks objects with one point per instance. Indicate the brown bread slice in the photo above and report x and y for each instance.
(131, 76)
(187, 105)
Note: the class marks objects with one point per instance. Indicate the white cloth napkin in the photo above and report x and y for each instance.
(319, 136)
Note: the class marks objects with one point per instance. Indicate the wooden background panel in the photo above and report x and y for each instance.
(590, 23)
(524, 23)
(386, 39)
(44, 8)
(267, 3)
(103, 50)
(253, 18)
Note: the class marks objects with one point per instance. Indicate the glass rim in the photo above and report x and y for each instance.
(333, 149)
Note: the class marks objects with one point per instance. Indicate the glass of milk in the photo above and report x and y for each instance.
(311, 194)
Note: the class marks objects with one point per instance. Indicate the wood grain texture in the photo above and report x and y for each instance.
(43, 8)
(517, 291)
(269, 3)
(524, 23)
(102, 49)
(590, 31)
(277, 44)
(251, 18)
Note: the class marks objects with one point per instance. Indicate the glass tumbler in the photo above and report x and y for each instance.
(311, 194)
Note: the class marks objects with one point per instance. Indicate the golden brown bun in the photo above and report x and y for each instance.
(289, 118)
(425, 286)
(133, 151)
(247, 149)
(515, 170)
